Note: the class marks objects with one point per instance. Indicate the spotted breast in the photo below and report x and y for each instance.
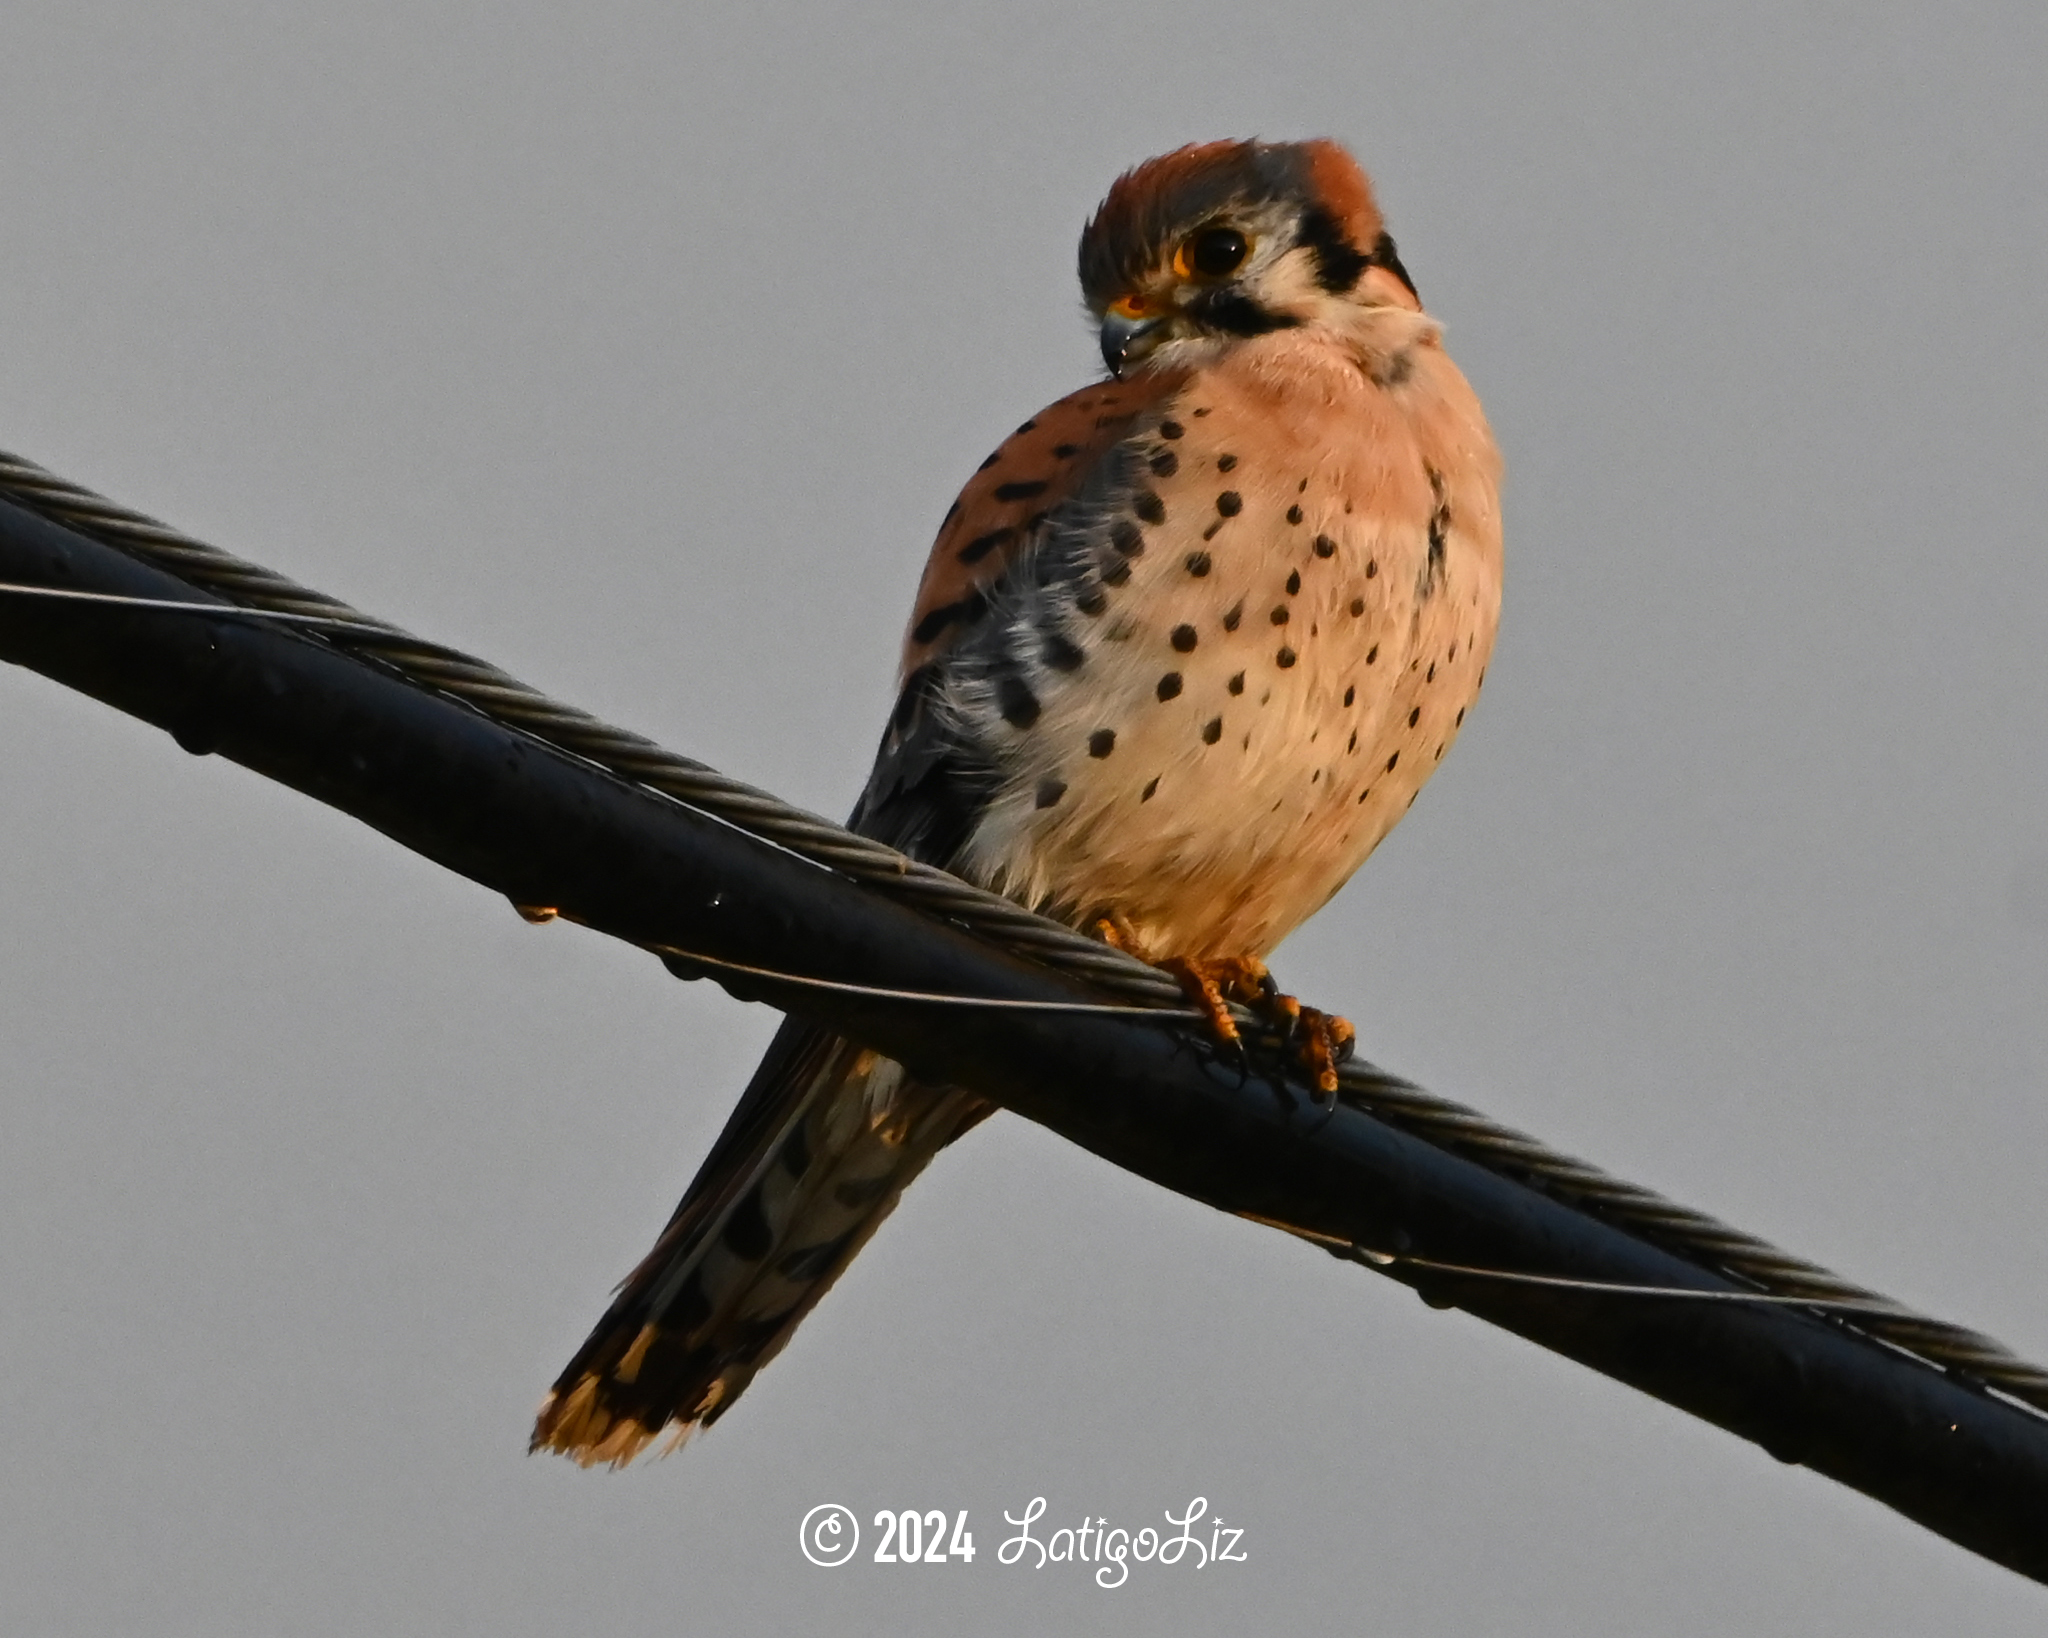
(1197, 690)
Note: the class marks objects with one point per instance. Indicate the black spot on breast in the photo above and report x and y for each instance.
(1212, 730)
(1430, 675)
(1028, 426)
(981, 545)
(1149, 506)
(1357, 606)
(1200, 413)
(1169, 686)
(965, 612)
(1230, 503)
(1350, 694)
(1165, 464)
(1018, 705)
(1184, 639)
(1293, 514)
(1024, 489)
(1198, 564)
(1151, 786)
(1060, 653)
(1210, 532)
(1372, 654)
(1279, 616)
(1171, 429)
(1461, 718)
(1233, 615)
(1126, 537)
(1236, 683)
(1352, 743)
(1414, 716)
(1116, 571)
(991, 461)
(1285, 657)
(1372, 567)
(1293, 582)
(1101, 743)
(1090, 600)
(1325, 546)
(1065, 452)
(1396, 757)
(1225, 463)
(1049, 792)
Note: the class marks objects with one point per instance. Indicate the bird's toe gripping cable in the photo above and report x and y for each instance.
(1318, 1040)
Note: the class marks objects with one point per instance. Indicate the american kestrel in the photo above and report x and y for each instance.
(1187, 647)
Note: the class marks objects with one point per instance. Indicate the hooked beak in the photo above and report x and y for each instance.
(1127, 338)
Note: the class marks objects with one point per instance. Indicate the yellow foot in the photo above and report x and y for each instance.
(1324, 1041)
(1119, 934)
(1213, 982)
(1320, 1041)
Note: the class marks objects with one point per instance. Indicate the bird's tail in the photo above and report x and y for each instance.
(823, 1143)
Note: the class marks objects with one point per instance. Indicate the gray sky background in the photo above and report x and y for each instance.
(640, 348)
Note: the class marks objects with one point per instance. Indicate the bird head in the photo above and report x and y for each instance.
(1222, 240)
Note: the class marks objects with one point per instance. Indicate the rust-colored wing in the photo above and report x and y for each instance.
(1005, 505)
(1039, 497)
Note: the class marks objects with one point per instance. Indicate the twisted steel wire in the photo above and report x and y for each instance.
(1694, 1235)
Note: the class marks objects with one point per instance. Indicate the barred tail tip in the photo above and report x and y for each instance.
(579, 1425)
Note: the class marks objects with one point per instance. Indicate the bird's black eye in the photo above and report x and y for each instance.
(1211, 253)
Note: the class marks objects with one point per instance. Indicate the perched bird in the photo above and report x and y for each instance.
(1187, 647)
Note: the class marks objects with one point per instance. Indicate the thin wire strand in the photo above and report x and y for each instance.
(934, 997)
(1564, 1282)
(1450, 1126)
(231, 611)
(1613, 1288)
